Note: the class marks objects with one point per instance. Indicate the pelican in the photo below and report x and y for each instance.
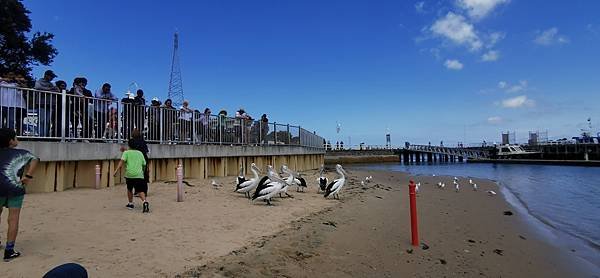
(474, 187)
(335, 186)
(322, 179)
(297, 179)
(266, 190)
(491, 193)
(247, 186)
(240, 177)
(289, 181)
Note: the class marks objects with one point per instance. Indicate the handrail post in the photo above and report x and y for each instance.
(120, 129)
(275, 132)
(289, 135)
(63, 114)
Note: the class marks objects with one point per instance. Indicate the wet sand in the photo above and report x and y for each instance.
(216, 232)
(464, 234)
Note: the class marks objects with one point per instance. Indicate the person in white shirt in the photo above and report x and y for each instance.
(12, 103)
(185, 121)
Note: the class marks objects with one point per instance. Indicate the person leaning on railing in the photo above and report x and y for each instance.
(168, 118)
(46, 103)
(154, 120)
(104, 98)
(79, 110)
(12, 103)
(204, 119)
(185, 122)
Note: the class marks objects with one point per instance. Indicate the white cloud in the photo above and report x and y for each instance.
(453, 64)
(517, 102)
(455, 28)
(522, 86)
(494, 38)
(420, 7)
(550, 37)
(594, 29)
(490, 56)
(494, 120)
(478, 9)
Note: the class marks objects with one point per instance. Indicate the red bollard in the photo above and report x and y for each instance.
(413, 213)
(98, 174)
(179, 183)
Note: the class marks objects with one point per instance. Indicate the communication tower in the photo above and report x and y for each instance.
(175, 84)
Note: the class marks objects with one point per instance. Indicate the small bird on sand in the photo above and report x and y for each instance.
(215, 184)
(456, 186)
(417, 187)
(474, 187)
(362, 183)
(492, 193)
(470, 181)
(433, 175)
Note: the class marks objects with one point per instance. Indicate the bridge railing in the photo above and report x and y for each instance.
(42, 115)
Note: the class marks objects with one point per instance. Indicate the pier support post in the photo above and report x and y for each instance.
(460, 159)
(429, 157)
(418, 157)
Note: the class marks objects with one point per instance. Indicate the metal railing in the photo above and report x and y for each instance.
(36, 114)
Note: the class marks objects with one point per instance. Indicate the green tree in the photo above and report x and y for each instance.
(18, 53)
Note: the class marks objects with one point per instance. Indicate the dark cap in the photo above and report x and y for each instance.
(49, 73)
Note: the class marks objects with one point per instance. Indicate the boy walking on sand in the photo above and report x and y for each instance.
(134, 176)
(14, 175)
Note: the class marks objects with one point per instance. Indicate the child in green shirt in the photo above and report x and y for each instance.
(134, 176)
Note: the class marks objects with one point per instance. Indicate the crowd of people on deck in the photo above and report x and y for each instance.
(94, 116)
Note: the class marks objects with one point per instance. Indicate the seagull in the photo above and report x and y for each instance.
(443, 185)
(492, 193)
(433, 175)
(439, 184)
(455, 179)
(417, 188)
(266, 190)
(335, 186)
(456, 187)
(247, 186)
(215, 184)
(474, 187)
(322, 179)
(362, 183)
(470, 181)
(368, 179)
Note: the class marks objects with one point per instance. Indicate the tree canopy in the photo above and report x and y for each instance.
(18, 52)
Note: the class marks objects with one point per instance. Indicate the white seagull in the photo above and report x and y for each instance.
(456, 186)
(247, 186)
(492, 193)
(474, 187)
(266, 190)
(418, 186)
(335, 186)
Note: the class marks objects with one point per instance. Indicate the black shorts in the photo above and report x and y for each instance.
(140, 185)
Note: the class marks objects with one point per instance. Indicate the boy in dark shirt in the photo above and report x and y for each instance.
(14, 175)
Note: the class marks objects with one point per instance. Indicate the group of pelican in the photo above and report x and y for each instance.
(272, 184)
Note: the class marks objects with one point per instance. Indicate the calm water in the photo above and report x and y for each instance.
(564, 200)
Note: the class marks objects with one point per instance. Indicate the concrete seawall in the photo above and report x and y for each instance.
(72, 165)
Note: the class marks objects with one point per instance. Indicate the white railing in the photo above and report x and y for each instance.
(62, 116)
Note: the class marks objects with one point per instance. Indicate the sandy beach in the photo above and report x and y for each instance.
(216, 232)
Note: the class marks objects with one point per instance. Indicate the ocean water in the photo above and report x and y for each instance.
(562, 200)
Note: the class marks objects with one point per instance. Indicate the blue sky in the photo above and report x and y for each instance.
(460, 70)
